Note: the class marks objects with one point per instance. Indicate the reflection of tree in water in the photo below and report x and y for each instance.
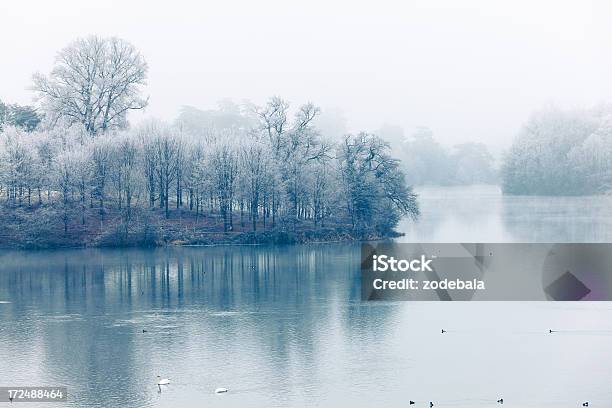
(273, 307)
(57, 316)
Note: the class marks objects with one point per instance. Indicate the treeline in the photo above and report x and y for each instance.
(277, 173)
(426, 162)
(561, 152)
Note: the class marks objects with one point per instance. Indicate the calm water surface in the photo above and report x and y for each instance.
(483, 214)
(284, 326)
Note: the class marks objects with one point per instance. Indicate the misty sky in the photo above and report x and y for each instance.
(472, 71)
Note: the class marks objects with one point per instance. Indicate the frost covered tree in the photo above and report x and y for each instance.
(95, 82)
(375, 188)
(561, 152)
(127, 172)
(65, 170)
(425, 160)
(102, 167)
(224, 161)
(255, 165)
(18, 167)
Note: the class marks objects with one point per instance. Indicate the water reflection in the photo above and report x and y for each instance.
(234, 316)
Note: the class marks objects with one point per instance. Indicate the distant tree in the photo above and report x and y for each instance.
(204, 123)
(22, 117)
(425, 161)
(549, 154)
(95, 82)
(472, 163)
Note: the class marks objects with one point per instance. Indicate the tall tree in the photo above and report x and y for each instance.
(95, 82)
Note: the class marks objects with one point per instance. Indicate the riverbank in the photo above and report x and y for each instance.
(43, 228)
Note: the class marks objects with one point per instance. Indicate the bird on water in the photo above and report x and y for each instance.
(162, 381)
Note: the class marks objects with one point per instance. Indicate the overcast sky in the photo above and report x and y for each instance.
(469, 70)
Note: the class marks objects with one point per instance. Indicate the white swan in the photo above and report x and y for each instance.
(162, 381)
(221, 390)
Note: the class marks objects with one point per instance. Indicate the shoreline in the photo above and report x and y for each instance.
(41, 227)
(227, 239)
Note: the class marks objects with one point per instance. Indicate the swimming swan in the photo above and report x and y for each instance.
(162, 381)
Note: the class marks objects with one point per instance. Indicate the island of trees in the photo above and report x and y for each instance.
(73, 172)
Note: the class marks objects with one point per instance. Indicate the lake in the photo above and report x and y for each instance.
(483, 214)
(285, 327)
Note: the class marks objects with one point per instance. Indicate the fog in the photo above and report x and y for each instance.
(469, 72)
